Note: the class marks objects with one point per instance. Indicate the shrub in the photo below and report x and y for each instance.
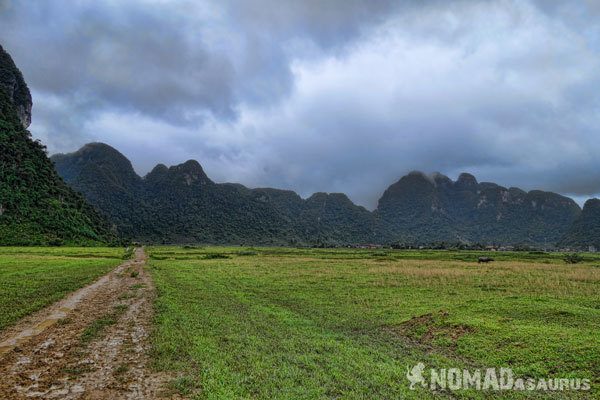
(573, 258)
(212, 256)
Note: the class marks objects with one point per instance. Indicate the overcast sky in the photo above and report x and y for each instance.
(321, 95)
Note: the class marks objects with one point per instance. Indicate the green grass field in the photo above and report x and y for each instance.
(34, 277)
(345, 324)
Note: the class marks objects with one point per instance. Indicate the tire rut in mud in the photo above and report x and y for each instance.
(98, 349)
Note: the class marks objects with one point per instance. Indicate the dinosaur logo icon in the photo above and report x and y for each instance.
(415, 375)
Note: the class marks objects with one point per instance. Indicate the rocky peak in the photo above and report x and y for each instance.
(413, 193)
(191, 166)
(337, 199)
(100, 151)
(592, 205)
(441, 180)
(99, 156)
(12, 82)
(415, 180)
(158, 170)
(466, 181)
(191, 172)
(585, 231)
(318, 197)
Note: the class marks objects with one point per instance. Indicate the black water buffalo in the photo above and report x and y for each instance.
(484, 260)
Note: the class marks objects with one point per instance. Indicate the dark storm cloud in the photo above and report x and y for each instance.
(329, 23)
(171, 60)
(343, 95)
(127, 57)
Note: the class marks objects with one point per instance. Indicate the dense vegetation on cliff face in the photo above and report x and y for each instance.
(36, 206)
(15, 89)
(109, 183)
(425, 209)
(585, 231)
(181, 204)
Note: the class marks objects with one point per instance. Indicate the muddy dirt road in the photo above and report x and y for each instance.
(91, 345)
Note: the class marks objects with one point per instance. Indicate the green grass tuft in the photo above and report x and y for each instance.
(98, 327)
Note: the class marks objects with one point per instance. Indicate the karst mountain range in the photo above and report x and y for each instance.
(94, 196)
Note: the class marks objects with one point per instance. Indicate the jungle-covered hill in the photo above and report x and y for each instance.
(36, 206)
(181, 204)
(585, 231)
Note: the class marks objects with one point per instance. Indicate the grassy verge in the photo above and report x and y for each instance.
(289, 324)
(32, 278)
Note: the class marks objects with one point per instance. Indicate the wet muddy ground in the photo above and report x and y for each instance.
(91, 345)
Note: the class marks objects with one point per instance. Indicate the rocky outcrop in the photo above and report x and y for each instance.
(585, 231)
(36, 206)
(11, 80)
(424, 209)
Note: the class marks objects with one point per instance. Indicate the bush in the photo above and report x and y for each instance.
(573, 258)
(247, 253)
(212, 256)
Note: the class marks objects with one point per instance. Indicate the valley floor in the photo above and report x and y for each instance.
(282, 323)
(346, 324)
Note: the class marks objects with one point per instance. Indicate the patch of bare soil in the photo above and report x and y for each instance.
(91, 345)
(429, 328)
